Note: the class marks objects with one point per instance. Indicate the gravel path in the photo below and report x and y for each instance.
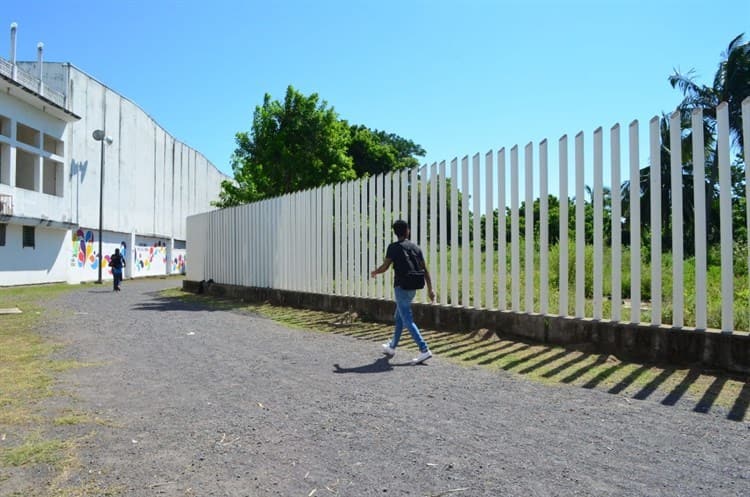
(219, 403)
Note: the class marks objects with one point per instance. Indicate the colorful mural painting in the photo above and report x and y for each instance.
(178, 264)
(123, 252)
(83, 250)
(150, 257)
(85, 255)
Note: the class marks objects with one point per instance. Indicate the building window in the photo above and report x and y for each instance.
(2, 234)
(28, 237)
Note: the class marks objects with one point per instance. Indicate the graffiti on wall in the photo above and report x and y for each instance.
(85, 254)
(83, 250)
(178, 264)
(148, 256)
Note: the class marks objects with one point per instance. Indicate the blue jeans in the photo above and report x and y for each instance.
(404, 318)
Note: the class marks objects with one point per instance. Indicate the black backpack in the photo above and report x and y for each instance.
(411, 274)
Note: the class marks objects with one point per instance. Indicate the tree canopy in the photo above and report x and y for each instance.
(302, 143)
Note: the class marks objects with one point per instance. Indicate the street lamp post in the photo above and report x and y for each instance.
(101, 137)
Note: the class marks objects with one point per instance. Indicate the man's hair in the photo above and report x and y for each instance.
(400, 228)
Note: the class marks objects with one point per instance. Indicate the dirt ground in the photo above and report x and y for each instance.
(198, 401)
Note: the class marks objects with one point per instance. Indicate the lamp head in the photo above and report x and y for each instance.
(98, 135)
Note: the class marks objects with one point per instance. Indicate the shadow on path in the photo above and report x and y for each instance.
(381, 365)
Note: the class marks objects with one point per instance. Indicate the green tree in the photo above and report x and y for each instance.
(376, 152)
(732, 85)
(298, 144)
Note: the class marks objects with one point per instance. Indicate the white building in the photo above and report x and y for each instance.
(50, 174)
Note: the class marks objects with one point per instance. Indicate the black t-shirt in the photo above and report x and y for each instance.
(116, 261)
(397, 252)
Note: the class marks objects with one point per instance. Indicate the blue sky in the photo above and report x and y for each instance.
(457, 77)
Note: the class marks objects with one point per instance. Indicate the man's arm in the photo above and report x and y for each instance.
(428, 280)
(382, 268)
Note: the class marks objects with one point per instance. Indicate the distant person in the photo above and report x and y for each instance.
(117, 263)
(411, 275)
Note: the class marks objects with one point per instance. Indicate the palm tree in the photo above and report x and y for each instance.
(731, 85)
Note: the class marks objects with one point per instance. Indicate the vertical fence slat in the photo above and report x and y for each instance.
(423, 241)
(359, 251)
(353, 234)
(396, 178)
(348, 238)
(443, 220)
(371, 253)
(477, 300)
(414, 216)
(678, 293)
(580, 228)
(746, 143)
(598, 202)
(405, 195)
(656, 228)
(465, 271)
(378, 233)
(725, 218)
(616, 281)
(454, 232)
(529, 227)
(543, 229)
(635, 226)
(364, 240)
(433, 223)
(489, 227)
(387, 230)
(515, 272)
(564, 210)
(325, 253)
(502, 259)
(310, 240)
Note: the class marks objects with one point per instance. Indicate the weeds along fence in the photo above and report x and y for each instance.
(496, 236)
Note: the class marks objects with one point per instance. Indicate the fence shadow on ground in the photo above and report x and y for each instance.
(699, 389)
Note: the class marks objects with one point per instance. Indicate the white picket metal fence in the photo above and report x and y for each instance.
(328, 239)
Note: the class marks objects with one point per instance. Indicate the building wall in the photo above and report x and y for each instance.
(46, 262)
(42, 187)
(152, 182)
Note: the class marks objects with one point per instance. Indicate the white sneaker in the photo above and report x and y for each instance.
(388, 350)
(421, 357)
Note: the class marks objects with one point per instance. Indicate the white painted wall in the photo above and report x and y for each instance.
(45, 263)
(28, 203)
(150, 257)
(152, 181)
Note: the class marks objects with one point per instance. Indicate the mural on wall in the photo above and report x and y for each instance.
(83, 250)
(85, 255)
(152, 258)
(123, 252)
(178, 264)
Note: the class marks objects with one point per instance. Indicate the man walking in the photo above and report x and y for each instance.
(411, 275)
(116, 262)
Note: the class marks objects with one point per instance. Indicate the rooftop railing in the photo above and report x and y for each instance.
(32, 83)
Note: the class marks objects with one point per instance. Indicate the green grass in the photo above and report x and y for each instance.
(28, 375)
(35, 450)
(741, 284)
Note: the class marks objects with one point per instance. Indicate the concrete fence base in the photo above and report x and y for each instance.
(627, 341)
